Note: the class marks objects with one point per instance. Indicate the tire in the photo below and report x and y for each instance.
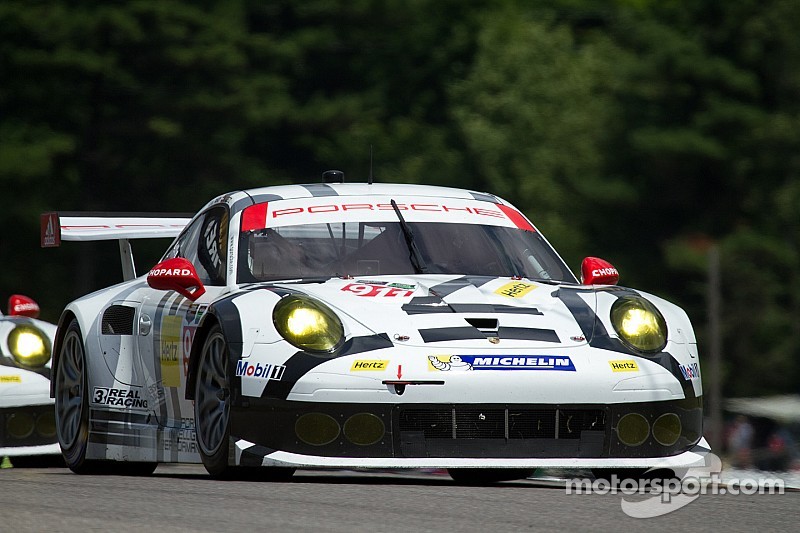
(488, 476)
(213, 420)
(72, 412)
(212, 412)
(72, 401)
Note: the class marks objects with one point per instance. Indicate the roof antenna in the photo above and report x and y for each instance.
(369, 180)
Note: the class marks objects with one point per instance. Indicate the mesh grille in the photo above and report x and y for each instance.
(531, 423)
(480, 423)
(498, 423)
(572, 421)
(118, 320)
(434, 423)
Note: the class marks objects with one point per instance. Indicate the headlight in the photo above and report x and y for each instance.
(639, 324)
(308, 324)
(29, 346)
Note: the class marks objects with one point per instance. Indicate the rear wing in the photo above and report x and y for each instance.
(122, 227)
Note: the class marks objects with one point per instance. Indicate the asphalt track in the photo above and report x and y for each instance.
(183, 498)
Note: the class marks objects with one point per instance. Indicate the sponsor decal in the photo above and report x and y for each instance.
(191, 321)
(181, 439)
(626, 365)
(407, 286)
(119, 397)
(50, 230)
(10, 379)
(157, 394)
(437, 208)
(170, 272)
(377, 291)
(455, 363)
(608, 271)
(169, 349)
(690, 371)
(372, 365)
(259, 371)
(515, 289)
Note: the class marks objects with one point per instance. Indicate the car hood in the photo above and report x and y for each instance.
(460, 311)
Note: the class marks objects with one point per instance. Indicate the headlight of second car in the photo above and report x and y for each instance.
(639, 324)
(308, 324)
(29, 345)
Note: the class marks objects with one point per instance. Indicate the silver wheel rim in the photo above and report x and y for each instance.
(69, 391)
(211, 405)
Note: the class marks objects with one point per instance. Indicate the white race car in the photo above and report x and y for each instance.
(340, 325)
(27, 423)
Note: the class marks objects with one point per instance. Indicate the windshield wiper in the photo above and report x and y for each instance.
(414, 255)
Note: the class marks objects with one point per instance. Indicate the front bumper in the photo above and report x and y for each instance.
(414, 435)
(28, 430)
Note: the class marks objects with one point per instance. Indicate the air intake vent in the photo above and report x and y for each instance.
(118, 320)
(484, 325)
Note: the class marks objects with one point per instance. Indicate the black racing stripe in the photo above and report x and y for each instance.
(120, 416)
(320, 189)
(418, 307)
(528, 334)
(301, 363)
(484, 197)
(451, 334)
(254, 199)
(254, 455)
(447, 288)
(136, 440)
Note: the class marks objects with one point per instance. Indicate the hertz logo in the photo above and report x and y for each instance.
(515, 289)
(627, 365)
(369, 365)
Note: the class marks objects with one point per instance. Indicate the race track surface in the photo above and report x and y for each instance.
(183, 498)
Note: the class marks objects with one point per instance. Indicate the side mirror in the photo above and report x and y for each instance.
(19, 305)
(176, 274)
(596, 271)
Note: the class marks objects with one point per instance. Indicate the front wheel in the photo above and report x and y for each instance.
(211, 404)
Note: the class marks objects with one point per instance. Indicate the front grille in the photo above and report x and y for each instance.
(467, 422)
(531, 423)
(30, 425)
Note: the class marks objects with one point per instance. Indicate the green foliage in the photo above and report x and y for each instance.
(637, 130)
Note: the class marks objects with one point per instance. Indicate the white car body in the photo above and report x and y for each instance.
(459, 370)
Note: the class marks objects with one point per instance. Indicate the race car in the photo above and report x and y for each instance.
(27, 423)
(367, 325)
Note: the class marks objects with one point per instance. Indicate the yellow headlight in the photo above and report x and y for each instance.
(308, 324)
(639, 324)
(29, 346)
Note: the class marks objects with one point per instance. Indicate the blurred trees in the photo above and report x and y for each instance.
(637, 130)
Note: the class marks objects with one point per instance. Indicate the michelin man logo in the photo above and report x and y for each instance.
(447, 363)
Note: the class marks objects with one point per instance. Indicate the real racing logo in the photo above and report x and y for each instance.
(119, 397)
(259, 371)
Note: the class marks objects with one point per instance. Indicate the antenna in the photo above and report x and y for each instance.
(369, 180)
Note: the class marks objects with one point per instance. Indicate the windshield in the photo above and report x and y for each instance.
(377, 248)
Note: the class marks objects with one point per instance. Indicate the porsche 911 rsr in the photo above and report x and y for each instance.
(27, 423)
(368, 326)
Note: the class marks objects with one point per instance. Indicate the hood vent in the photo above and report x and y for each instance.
(487, 326)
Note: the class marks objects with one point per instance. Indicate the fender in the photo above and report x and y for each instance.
(225, 314)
